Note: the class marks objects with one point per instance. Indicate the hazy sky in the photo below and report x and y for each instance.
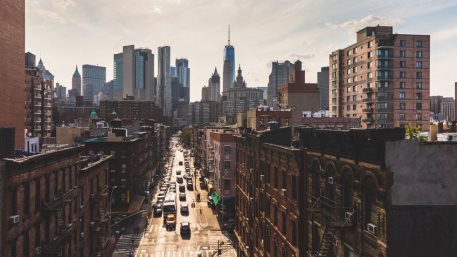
(65, 33)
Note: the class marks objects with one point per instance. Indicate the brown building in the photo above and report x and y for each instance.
(12, 73)
(344, 193)
(327, 122)
(384, 78)
(132, 166)
(130, 109)
(94, 197)
(298, 95)
(258, 118)
(38, 103)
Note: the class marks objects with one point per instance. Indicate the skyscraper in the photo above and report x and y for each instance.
(94, 78)
(281, 73)
(183, 74)
(134, 74)
(391, 88)
(228, 65)
(163, 89)
(322, 83)
(76, 83)
(214, 83)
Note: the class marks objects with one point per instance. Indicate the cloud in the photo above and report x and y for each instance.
(50, 15)
(62, 5)
(302, 56)
(445, 34)
(156, 10)
(370, 20)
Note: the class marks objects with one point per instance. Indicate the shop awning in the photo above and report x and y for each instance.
(215, 198)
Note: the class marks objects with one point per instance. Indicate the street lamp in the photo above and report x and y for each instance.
(110, 202)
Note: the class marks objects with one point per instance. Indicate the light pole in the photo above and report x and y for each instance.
(110, 202)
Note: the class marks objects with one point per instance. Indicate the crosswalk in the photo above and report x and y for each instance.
(179, 253)
(127, 243)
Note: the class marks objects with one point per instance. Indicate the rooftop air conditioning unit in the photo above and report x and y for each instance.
(371, 228)
(14, 219)
(348, 215)
(330, 180)
(284, 192)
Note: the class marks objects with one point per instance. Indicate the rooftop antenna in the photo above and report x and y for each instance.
(229, 34)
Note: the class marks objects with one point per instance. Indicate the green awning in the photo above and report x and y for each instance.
(215, 197)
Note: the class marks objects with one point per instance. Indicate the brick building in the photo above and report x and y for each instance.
(384, 78)
(130, 109)
(46, 209)
(132, 166)
(38, 103)
(12, 36)
(298, 95)
(358, 193)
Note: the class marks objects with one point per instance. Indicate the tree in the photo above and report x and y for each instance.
(413, 133)
(185, 137)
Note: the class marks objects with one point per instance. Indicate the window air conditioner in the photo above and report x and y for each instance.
(330, 180)
(371, 228)
(14, 219)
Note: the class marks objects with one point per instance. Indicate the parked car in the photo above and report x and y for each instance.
(179, 179)
(158, 210)
(182, 196)
(190, 186)
(178, 172)
(182, 188)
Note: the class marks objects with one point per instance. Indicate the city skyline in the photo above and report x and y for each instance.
(284, 34)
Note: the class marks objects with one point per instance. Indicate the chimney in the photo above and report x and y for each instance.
(440, 127)
(299, 74)
(433, 132)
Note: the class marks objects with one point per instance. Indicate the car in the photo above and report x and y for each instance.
(184, 208)
(179, 179)
(185, 228)
(182, 196)
(170, 221)
(163, 188)
(158, 210)
(162, 194)
(180, 163)
(182, 188)
(159, 201)
(190, 186)
(178, 172)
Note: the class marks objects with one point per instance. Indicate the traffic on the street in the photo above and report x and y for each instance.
(181, 222)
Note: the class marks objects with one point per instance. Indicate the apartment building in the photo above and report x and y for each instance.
(384, 78)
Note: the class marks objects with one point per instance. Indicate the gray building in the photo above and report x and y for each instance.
(94, 78)
(435, 103)
(448, 108)
(134, 74)
(183, 74)
(163, 90)
(214, 85)
(281, 73)
(322, 83)
(60, 93)
(203, 112)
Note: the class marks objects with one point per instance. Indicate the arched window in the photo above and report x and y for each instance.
(348, 182)
(316, 183)
(330, 191)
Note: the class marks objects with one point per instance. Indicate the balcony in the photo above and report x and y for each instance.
(367, 110)
(368, 120)
(367, 100)
(368, 90)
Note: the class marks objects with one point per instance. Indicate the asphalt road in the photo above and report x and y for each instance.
(156, 241)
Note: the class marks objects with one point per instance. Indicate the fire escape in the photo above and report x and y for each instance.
(334, 219)
(64, 231)
(101, 217)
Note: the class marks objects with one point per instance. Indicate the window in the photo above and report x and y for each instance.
(370, 44)
(369, 54)
(418, 75)
(348, 71)
(402, 64)
(37, 194)
(26, 198)
(419, 64)
(226, 184)
(226, 165)
(227, 150)
(284, 180)
(354, 107)
(354, 60)
(418, 54)
(402, 85)
(349, 62)
(294, 187)
(418, 116)
(418, 96)
(276, 177)
(402, 106)
(418, 43)
(418, 106)
(403, 43)
(369, 75)
(402, 53)
(402, 95)
(402, 74)
(294, 232)
(284, 223)
(275, 217)
(368, 65)
(354, 69)
(419, 85)
(354, 51)
(402, 116)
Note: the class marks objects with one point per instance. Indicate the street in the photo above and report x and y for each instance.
(157, 241)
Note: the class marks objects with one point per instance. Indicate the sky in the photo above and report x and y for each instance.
(66, 33)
